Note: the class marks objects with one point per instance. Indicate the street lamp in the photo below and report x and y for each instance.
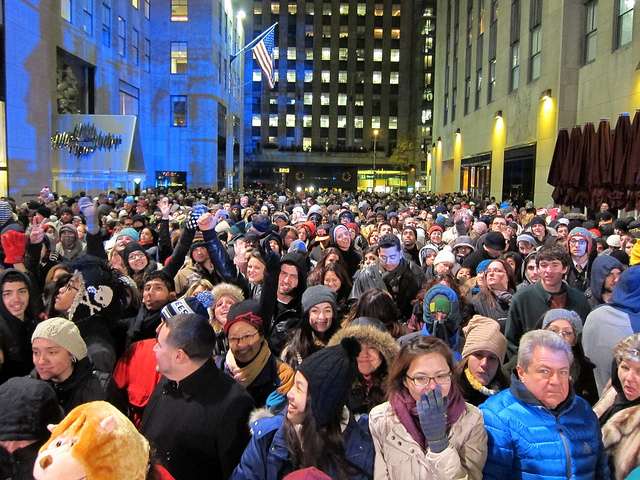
(375, 144)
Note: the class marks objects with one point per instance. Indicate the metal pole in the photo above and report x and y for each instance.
(375, 142)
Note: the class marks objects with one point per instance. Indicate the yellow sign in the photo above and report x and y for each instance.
(283, 170)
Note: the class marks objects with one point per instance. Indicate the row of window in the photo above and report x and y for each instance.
(361, 9)
(66, 11)
(343, 54)
(325, 76)
(325, 121)
(623, 37)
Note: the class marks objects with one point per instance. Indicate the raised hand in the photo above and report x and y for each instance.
(165, 207)
(37, 230)
(206, 221)
(432, 411)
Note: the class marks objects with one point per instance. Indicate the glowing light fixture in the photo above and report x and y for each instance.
(498, 115)
(458, 131)
(545, 95)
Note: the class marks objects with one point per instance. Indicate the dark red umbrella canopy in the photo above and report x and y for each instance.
(599, 176)
(557, 162)
(619, 162)
(632, 179)
(586, 162)
(573, 154)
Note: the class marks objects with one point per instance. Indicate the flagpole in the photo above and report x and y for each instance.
(255, 41)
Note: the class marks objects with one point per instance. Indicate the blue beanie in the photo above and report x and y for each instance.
(129, 232)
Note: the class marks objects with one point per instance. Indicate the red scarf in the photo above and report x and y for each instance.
(405, 408)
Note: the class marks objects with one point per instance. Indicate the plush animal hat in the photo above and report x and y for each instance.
(97, 438)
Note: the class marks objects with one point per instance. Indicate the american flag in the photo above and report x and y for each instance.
(263, 53)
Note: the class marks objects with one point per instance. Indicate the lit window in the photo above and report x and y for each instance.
(307, 120)
(257, 76)
(291, 75)
(275, 8)
(343, 54)
(326, 54)
(291, 53)
(358, 122)
(178, 57)
(377, 55)
(393, 123)
(342, 76)
(375, 122)
(378, 10)
(308, 76)
(290, 120)
(306, 144)
(342, 99)
(324, 121)
(395, 55)
(395, 33)
(179, 110)
(324, 99)
(342, 121)
(377, 77)
(308, 53)
(394, 78)
(276, 53)
(65, 10)
(326, 76)
(257, 8)
(179, 11)
(134, 4)
(273, 120)
(377, 33)
(362, 9)
(308, 98)
(344, 9)
(256, 121)
(292, 8)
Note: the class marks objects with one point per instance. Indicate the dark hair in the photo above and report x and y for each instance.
(377, 303)
(375, 249)
(517, 258)
(511, 279)
(304, 341)
(343, 276)
(15, 276)
(316, 277)
(316, 445)
(414, 348)
(163, 277)
(154, 233)
(552, 251)
(192, 334)
(388, 241)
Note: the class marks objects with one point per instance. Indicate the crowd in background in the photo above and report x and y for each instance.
(366, 335)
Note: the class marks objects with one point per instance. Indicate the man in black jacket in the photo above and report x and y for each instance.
(197, 417)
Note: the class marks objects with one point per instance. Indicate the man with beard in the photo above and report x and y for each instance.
(409, 238)
(605, 274)
(400, 277)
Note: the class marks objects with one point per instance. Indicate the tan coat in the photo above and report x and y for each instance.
(399, 457)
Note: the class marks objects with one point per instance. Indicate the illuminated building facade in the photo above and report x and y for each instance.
(516, 71)
(344, 71)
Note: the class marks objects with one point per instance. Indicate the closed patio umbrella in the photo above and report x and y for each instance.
(557, 162)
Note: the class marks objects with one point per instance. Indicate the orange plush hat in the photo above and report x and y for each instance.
(97, 441)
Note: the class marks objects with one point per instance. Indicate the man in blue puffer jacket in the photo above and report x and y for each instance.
(539, 428)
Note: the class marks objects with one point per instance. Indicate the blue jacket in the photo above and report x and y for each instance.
(267, 457)
(527, 441)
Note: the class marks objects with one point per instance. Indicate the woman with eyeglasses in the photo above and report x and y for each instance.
(426, 429)
(250, 362)
(494, 298)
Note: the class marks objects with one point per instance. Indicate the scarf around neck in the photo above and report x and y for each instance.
(247, 374)
(406, 410)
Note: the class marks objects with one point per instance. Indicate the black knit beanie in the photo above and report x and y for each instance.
(330, 374)
(318, 294)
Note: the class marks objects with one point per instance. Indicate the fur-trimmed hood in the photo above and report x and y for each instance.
(381, 341)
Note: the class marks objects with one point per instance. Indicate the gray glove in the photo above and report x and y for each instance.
(432, 411)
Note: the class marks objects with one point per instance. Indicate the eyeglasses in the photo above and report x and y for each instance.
(421, 382)
(494, 270)
(135, 256)
(577, 241)
(564, 333)
(244, 338)
(69, 286)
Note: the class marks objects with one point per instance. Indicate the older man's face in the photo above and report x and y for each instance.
(547, 377)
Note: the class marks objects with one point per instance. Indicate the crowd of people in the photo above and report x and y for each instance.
(325, 335)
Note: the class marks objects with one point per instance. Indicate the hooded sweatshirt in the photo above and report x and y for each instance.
(611, 322)
(15, 333)
(446, 330)
(600, 269)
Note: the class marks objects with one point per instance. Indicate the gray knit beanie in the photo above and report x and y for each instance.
(560, 313)
(64, 333)
(318, 294)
